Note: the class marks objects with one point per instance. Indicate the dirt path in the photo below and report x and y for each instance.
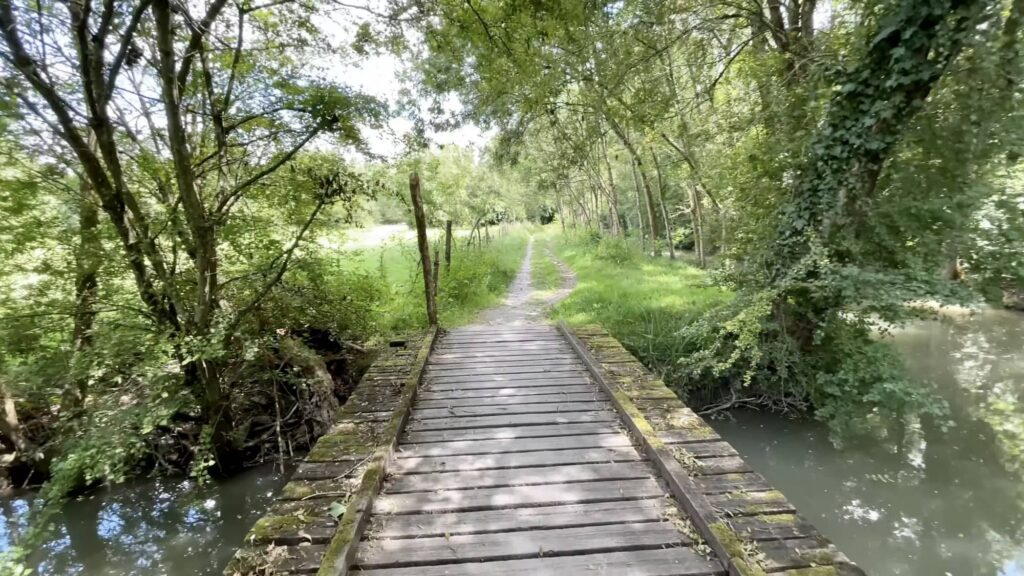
(523, 304)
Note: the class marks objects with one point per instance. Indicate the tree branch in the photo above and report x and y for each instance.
(285, 258)
(126, 43)
(228, 199)
(198, 34)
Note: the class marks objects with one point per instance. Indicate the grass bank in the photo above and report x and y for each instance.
(642, 302)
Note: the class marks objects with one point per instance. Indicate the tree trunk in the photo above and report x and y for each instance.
(88, 257)
(203, 373)
(700, 187)
(697, 215)
(473, 231)
(639, 211)
(613, 193)
(643, 190)
(664, 211)
(561, 212)
(421, 240)
(840, 173)
(447, 245)
(652, 215)
(316, 398)
(25, 455)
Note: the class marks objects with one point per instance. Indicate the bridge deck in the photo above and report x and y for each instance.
(527, 450)
(514, 462)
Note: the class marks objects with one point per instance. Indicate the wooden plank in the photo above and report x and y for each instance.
(680, 561)
(801, 553)
(707, 449)
(773, 527)
(519, 477)
(500, 371)
(509, 420)
(494, 367)
(751, 503)
(490, 521)
(511, 432)
(448, 361)
(475, 363)
(720, 465)
(484, 329)
(294, 523)
(510, 391)
(294, 560)
(517, 545)
(505, 347)
(517, 496)
(732, 483)
(522, 381)
(512, 445)
(453, 336)
(683, 436)
(459, 358)
(463, 336)
(473, 329)
(325, 470)
(502, 409)
(509, 346)
(490, 400)
(515, 460)
(502, 338)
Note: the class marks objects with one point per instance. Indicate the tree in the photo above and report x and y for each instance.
(171, 119)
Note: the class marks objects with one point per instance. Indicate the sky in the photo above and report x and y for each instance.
(380, 75)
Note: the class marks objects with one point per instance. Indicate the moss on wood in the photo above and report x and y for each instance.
(336, 556)
(742, 553)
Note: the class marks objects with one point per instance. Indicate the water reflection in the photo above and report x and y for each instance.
(160, 526)
(946, 502)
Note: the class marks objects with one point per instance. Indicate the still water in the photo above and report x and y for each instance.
(160, 526)
(944, 504)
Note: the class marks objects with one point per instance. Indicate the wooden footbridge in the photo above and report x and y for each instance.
(527, 450)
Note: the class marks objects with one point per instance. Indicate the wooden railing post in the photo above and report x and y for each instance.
(421, 239)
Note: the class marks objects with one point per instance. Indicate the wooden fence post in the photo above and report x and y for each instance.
(447, 245)
(421, 239)
(436, 273)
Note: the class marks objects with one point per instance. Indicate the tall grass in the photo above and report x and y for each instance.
(477, 279)
(642, 302)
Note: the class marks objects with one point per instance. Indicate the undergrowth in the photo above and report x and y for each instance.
(717, 351)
